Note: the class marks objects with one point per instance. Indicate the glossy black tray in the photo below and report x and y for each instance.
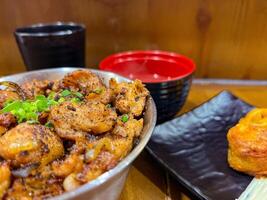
(193, 147)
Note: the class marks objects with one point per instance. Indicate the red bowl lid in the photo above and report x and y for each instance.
(149, 66)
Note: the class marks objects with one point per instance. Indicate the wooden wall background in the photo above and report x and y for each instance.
(227, 39)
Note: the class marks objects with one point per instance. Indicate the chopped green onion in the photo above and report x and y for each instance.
(21, 112)
(75, 100)
(78, 94)
(9, 101)
(108, 105)
(51, 95)
(124, 118)
(32, 122)
(41, 105)
(29, 110)
(12, 106)
(52, 102)
(26, 105)
(31, 116)
(98, 90)
(49, 125)
(65, 93)
(61, 100)
(40, 97)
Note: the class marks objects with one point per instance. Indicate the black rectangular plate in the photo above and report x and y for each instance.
(193, 148)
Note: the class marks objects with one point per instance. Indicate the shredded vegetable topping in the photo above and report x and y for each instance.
(124, 118)
(29, 110)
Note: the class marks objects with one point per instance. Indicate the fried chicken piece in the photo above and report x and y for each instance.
(109, 150)
(29, 144)
(6, 95)
(7, 120)
(130, 97)
(2, 130)
(104, 161)
(73, 121)
(69, 166)
(5, 176)
(34, 188)
(123, 135)
(18, 191)
(64, 167)
(248, 144)
(103, 95)
(83, 80)
(36, 87)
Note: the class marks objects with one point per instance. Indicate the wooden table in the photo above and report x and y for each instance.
(147, 180)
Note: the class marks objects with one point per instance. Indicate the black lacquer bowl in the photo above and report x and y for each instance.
(193, 147)
(167, 75)
(169, 97)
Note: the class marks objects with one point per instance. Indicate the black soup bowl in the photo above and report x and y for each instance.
(167, 75)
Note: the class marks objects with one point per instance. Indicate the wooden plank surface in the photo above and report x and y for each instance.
(147, 180)
(227, 39)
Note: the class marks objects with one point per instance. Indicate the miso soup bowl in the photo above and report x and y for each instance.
(167, 75)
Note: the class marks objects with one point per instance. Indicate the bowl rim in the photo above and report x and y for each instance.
(111, 58)
(124, 163)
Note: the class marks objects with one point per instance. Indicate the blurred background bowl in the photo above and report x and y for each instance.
(51, 45)
(167, 75)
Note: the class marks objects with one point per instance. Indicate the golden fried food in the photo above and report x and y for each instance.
(5, 175)
(66, 133)
(103, 95)
(74, 121)
(108, 151)
(130, 97)
(34, 188)
(18, 191)
(36, 87)
(123, 136)
(248, 144)
(83, 80)
(103, 162)
(72, 163)
(6, 96)
(7, 120)
(30, 144)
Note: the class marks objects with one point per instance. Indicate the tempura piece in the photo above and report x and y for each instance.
(248, 144)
